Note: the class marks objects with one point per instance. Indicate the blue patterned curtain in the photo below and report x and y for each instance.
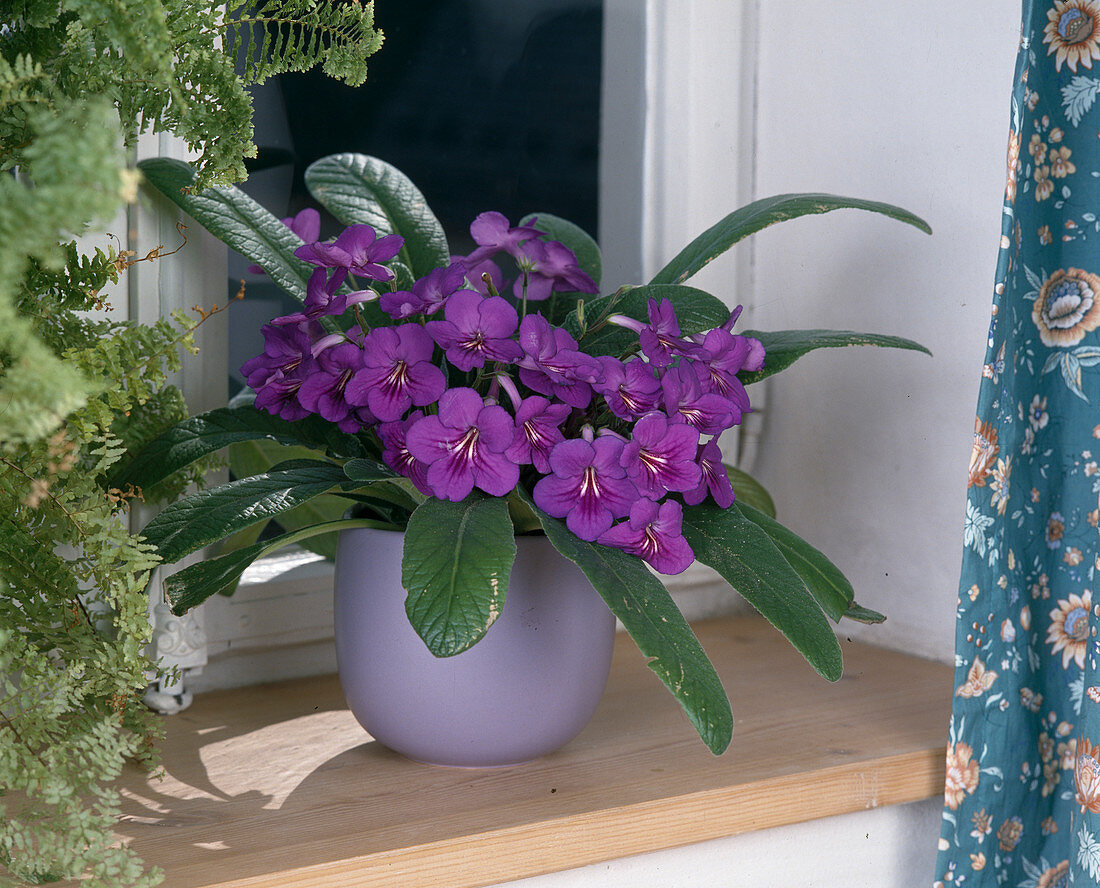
(1022, 798)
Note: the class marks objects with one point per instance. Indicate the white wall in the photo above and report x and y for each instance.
(866, 450)
(878, 848)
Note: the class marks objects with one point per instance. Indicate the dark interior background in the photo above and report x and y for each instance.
(483, 104)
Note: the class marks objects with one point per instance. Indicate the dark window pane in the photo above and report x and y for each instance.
(484, 105)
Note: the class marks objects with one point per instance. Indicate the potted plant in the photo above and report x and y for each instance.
(464, 417)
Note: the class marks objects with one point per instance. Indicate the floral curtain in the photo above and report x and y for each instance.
(1022, 798)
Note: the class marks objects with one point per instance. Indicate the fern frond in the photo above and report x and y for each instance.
(276, 36)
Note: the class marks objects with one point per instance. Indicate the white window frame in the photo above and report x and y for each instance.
(677, 139)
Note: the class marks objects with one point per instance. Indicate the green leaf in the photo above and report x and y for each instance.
(662, 634)
(748, 490)
(696, 311)
(829, 587)
(248, 458)
(455, 567)
(209, 432)
(194, 584)
(367, 470)
(236, 219)
(864, 614)
(750, 562)
(356, 188)
(760, 214)
(211, 515)
(582, 244)
(783, 347)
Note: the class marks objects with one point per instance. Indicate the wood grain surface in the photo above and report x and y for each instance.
(277, 785)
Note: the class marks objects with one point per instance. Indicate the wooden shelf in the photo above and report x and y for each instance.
(277, 785)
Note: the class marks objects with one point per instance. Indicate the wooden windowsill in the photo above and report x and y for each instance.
(277, 785)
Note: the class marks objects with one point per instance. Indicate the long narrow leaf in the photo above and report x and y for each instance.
(749, 490)
(783, 347)
(662, 634)
(209, 432)
(829, 587)
(205, 517)
(236, 219)
(760, 214)
(750, 562)
(356, 188)
(249, 458)
(193, 585)
(455, 567)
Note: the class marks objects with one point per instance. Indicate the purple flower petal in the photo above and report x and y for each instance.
(653, 533)
(661, 456)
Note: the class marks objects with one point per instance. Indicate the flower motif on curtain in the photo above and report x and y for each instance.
(1022, 790)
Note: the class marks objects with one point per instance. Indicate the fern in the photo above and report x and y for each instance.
(277, 36)
(79, 81)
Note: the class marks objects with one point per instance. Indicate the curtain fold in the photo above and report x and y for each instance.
(1022, 795)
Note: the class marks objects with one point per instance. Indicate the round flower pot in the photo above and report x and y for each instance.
(527, 688)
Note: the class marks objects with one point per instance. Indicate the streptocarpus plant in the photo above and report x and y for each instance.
(434, 391)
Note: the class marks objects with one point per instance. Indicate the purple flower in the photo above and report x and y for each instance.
(660, 339)
(538, 429)
(358, 419)
(286, 349)
(553, 364)
(493, 234)
(397, 372)
(477, 330)
(428, 294)
(357, 250)
(630, 390)
(655, 534)
(713, 478)
(279, 396)
(306, 224)
(396, 455)
(684, 396)
(588, 487)
(660, 456)
(464, 446)
(324, 389)
(549, 266)
(322, 299)
(726, 356)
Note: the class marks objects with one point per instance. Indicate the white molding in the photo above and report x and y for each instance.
(193, 276)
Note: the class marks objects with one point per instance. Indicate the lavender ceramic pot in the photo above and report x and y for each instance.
(526, 689)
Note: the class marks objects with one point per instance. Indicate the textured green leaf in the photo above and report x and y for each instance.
(194, 584)
(578, 240)
(749, 490)
(248, 458)
(237, 220)
(760, 214)
(696, 311)
(662, 634)
(356, 188)
(366, 470)
(209, 432)
(211, 515)
(829, 587)
(750, 562)
(783, 347)
(455, 567)
(242, 538)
